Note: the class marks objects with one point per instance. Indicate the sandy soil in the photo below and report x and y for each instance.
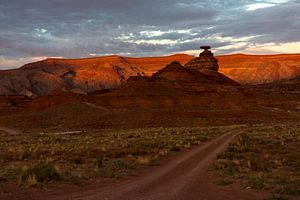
(183, 176)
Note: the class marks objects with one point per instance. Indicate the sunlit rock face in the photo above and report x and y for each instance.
(175, 86)
(205, 62)
(86, 75)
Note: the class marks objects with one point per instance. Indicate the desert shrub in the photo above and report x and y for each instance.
(99, 161)
(122, 165)
(40, 173)
(147, 160)
(226, 168)
(163, 152)
(256, 163)
(256, 182)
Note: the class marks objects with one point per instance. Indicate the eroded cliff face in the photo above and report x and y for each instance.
(256, 69)
(205, 62)
(82, 76)
(176, 87)
(79, 76)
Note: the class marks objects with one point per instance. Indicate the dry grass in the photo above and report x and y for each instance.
(34, 159)
(264, 158)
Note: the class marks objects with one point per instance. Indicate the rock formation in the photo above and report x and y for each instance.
(173, 96)
(94, 75)
(86, 75)
(172, 82)
(205, 62)
(257, 69)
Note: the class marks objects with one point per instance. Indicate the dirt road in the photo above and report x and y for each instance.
(184, 177)
(9, 131)
(96, 106)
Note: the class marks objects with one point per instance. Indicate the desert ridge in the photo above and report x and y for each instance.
(89, 75)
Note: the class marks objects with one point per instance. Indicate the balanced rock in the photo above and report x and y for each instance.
(205, 61)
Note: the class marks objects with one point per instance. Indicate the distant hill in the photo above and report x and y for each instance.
(94, 74)
(256, 69)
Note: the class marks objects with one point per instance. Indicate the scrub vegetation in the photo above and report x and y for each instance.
(264, 158)
(33, 159)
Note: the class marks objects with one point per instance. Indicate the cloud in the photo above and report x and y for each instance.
(12, 63)
(78, 28)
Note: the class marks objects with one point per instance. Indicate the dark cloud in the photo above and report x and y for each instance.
(78, 28)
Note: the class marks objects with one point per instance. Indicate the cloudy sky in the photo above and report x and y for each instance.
(32, 30)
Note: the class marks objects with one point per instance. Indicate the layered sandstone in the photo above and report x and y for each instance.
(205, 62)
(174, 86)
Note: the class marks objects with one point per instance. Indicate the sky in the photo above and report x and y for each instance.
(32, 30)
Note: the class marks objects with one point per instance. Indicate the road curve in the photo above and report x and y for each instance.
(184, 177)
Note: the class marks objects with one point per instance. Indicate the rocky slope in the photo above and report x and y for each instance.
(78, 75)
(173, 96)
(255, 69)
(175, 87)
(93, 74)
